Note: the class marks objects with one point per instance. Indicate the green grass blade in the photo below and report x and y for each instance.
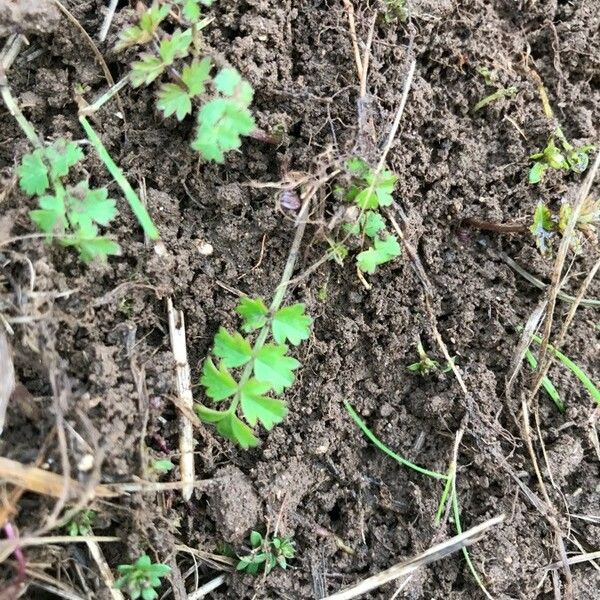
(459, 530)
(548, 385)
(387, 450)
(139, 210)
(444, 499)
(575, 369)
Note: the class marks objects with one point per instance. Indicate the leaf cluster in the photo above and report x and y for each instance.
(141, 578)
(267, 369)
(222, 119)
(72, 214)
(81, 523)
(267, 553)
(566, 157)
(370, 190)
(547, 224)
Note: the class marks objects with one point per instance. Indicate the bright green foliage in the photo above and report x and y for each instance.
(144, 31)
(370, 190)
(223, 119)
(546, 225)
(425, 364)
(383, 251)
(81, 523)
(542, 228)
(140, 579)
(253, 312)
(567, 157)
(72, 214)
(267, 369)
(267, 554)
(162, 465)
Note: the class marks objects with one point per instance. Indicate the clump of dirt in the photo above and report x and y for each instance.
(102, 329)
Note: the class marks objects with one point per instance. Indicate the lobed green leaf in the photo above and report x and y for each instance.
(257, 407)
(218, 383)
(146, 70)
(33, 174)
(382, 252)
(290, 323)
(177, 46)
(174, 100)
(234, 350)
(271, 365)
(253, 312)
(196, 75)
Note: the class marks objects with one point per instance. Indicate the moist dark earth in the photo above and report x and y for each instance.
(100, 332)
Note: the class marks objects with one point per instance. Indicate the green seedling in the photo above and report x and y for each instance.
(223, 118)
(566, 157)
(587, 383)
(546, 224)
(70, 214)
(141, 578)
(370, 191)
(161, 466)
(81, 523)
(449, 493)
(267, 369)
(425, 365)
(267, 553)
(491, 79)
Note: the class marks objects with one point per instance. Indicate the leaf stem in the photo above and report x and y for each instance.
(15, 111)
(379, 444)
(275, 303)
(139, 210)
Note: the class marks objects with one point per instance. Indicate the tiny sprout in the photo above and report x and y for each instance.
(81, 523)
(567, 157)
(140, 578)
(267, 552)
(162, 466)
(425, 364)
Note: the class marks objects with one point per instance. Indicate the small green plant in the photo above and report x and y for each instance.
(491, 79)
(141, 578)
(395, 10)
(161, 466)
(267, 553)
(566, 158)
(370, 190)
(224, 118)
(546, 224)
(424, 365)
(70, 214)
(267, 368)
(81, 523)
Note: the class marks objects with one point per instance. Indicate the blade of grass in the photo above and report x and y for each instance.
(139, 210)
(548, 385)
(387, 450)
(575, 369)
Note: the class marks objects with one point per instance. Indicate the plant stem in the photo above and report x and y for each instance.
(15, 111)
(104, 98)
(379, 444)
(444, 498)
(139, 210)
(276, 302)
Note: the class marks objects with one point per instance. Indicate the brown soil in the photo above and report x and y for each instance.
(98, 336)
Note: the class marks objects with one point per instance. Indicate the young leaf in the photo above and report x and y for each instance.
(175, 47)
(382, 252)
(143, 32)
(235, 430)
(146, 70)
(209, 415)
(253, 312)
(97, 247)
(358, 167)
(536, 172)
(62, 155)
(190, 10)
(233, 349)
(290, 323)
(374, 223)
(542, 228)
(384, 185)
(50, 218)
(272, 366)
(219, 383)
(256, 539)
(257, 407)
(33, 174)
(173, 99)
(227, 81)
(90, 205)
(196, 75)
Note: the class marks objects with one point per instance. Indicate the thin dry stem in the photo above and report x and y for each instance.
(352, 25)
(105, 572)
(184, 391)
(404, 568)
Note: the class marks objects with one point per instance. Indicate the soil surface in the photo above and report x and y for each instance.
(90, 344)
